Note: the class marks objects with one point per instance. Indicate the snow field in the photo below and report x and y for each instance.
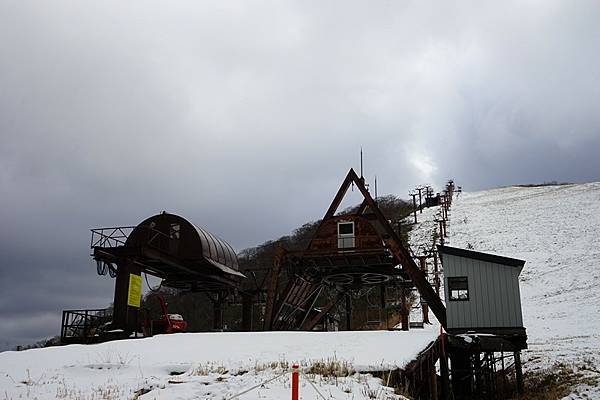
(208, 365)
(556, 229)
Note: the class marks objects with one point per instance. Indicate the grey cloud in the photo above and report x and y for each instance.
(245, 117)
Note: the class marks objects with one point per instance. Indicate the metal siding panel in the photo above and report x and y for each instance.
(511, 311)
(454, 271)
(462, 306)
(493, 295)
(483, 304)
(474, 294)
(500, 295)
(467, 314)
(507, 307)
(517, 297)
(448, 269)
(468, 306)
(516, 303)
(506, 296)
(447, 273)
(458, 307)
(488, 296)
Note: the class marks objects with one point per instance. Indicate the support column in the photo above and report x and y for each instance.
(433, 382)
(424, 306)
(414, 196)
(444, 373)
(477, 366)
(436, 272)
(461, 374)
(217, 303)
(404, 313)
(218, 316)
(519, 373)
(348, 312)
(247, 308)
(128, 292)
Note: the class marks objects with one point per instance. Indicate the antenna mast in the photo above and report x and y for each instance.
(361, 163)
(375, 189)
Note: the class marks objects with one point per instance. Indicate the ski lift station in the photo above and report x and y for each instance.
(348, 255)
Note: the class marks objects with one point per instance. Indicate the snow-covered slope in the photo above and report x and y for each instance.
(207, 365)
(556, 229)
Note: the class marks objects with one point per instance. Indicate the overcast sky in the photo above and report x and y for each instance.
(245, 116)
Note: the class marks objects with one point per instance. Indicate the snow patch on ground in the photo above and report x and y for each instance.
(208, 365)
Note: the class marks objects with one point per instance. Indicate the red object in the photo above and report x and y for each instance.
(295, 381)
(168, 323)
(172, 322)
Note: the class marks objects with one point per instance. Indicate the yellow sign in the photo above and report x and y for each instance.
(135, 290)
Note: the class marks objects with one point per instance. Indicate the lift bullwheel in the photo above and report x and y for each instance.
(356, 279)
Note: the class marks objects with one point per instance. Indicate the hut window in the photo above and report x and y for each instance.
(174, 230)
(458, 288)
(345, 235)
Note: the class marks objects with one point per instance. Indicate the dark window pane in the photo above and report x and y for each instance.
(458, 288)
(346, 228)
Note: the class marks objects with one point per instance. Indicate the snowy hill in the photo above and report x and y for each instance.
(556, 229)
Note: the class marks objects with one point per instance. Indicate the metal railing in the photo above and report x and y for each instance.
(117, 236)
(110, 237)
(83, 325)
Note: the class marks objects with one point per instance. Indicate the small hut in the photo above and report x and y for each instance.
(482, 292)
(484, 319)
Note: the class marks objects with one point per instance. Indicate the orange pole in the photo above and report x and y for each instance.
(295, 381)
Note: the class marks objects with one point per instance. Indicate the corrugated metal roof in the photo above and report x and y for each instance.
(198, 242)
(218, 251)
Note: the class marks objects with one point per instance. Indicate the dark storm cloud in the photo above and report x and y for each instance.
(245, 116)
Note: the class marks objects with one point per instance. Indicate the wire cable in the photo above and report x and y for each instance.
(257, 386)
(313, 385)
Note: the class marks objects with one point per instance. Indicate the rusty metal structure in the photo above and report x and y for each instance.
(83, 326)
(169, 247)
(347, 252)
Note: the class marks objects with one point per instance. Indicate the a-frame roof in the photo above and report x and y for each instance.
(394, 242)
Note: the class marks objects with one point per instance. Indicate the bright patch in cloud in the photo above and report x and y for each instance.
(424, 166)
